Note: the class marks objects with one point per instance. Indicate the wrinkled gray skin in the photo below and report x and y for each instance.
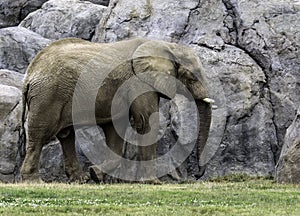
(53, 74)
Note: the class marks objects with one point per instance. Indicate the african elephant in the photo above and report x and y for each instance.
(53, 77)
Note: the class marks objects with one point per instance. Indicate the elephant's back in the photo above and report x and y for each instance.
(57, 56)
(59, 66)
(75, 55)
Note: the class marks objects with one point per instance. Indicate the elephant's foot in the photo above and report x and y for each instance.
(97, 174)
(31, 178)
(154, 181)
(201, 172)
(79, 177)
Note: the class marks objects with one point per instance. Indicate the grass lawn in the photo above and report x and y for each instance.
(249, 197)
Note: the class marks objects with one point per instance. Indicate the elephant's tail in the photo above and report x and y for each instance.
(22, 142)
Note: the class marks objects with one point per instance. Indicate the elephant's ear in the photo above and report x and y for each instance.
(154, 64)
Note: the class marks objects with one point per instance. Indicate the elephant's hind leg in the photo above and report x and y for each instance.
(30, 167)
(38, 136)
(42, 127)
(72, 166)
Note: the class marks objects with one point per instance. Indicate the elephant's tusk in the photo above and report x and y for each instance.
(209, 100)
(214, 107)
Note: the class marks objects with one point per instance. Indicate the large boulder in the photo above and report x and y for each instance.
(30, 6)
(10, 115)
(155, 19)
(69, 18)
(12, 12)
(267, 31)
(11, 78)
(288, 167)
(18, 46)
(51, 167)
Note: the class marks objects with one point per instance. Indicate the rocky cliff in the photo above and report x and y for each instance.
(249, 50)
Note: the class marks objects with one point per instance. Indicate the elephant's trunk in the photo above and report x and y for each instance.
(204, 110)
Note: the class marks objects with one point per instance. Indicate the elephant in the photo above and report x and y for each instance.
(53, 76)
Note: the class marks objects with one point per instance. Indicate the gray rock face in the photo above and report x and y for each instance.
(243, 132)
(144, 18)
(12, 12)
(18, 46)
(30, 6)
(11, 78)
(60, 19)
(10, 114)
(250, 53)
(288, 169)
(249, 49)
(267, 32)
(51, 167)
(100, 2)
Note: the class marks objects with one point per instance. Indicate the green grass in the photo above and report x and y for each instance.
(218, 197)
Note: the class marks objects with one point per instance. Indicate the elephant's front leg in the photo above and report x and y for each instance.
(144, 110)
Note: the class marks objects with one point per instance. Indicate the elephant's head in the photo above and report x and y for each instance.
(160, 60)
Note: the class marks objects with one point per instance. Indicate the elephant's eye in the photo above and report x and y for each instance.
(170, 72)
(190, 76)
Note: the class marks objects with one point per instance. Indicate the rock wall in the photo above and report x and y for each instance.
(12, 12)
(60, 19)
(10, 113)
(249, 49)
(18, 47)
